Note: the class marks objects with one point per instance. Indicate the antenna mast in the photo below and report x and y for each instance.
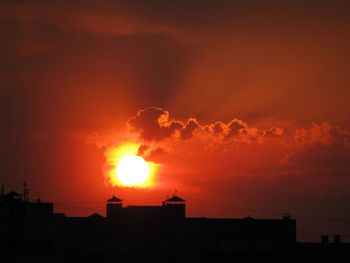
(25, 191)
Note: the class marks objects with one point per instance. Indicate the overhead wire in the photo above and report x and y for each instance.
(73, 205)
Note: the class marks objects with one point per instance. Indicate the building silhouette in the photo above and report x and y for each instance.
(32, 232)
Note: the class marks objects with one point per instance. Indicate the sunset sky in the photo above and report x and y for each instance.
(241, 106)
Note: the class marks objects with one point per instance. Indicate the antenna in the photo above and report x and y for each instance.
(25, 191)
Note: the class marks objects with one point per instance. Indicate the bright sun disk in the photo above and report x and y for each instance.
(132, 170)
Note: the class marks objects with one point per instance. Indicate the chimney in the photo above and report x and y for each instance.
(2, 190)
(325, 239)
(337, 239)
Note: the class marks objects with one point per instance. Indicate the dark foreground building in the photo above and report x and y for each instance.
(32, 232)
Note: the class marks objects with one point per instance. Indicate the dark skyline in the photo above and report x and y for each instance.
(32, 231)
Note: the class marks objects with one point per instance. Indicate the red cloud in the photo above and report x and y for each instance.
(152, 124)
(155, 124)
(320, 147)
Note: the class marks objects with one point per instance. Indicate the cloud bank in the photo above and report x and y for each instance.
(319, 147)
(156, 124)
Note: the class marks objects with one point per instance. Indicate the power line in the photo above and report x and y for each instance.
(212, 203)
(103, 202)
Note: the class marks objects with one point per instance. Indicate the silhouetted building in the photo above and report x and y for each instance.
(175, 208)
(15, 210)
(114, 208)
(325, 251)
(32, 232)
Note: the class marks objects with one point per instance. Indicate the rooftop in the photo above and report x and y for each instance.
(175, 198)
(114, 199)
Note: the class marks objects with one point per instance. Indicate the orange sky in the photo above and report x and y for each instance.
(252, 98)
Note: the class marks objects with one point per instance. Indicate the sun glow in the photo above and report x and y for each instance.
(125, 168)
(132, 170)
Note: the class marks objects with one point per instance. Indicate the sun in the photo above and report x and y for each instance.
(132, 171)
(124, 167)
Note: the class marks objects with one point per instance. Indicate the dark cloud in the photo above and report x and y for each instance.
(218, 127)
(273, 132)
(152, 124)
(189, 129)
(235, 127)
(155, 124)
